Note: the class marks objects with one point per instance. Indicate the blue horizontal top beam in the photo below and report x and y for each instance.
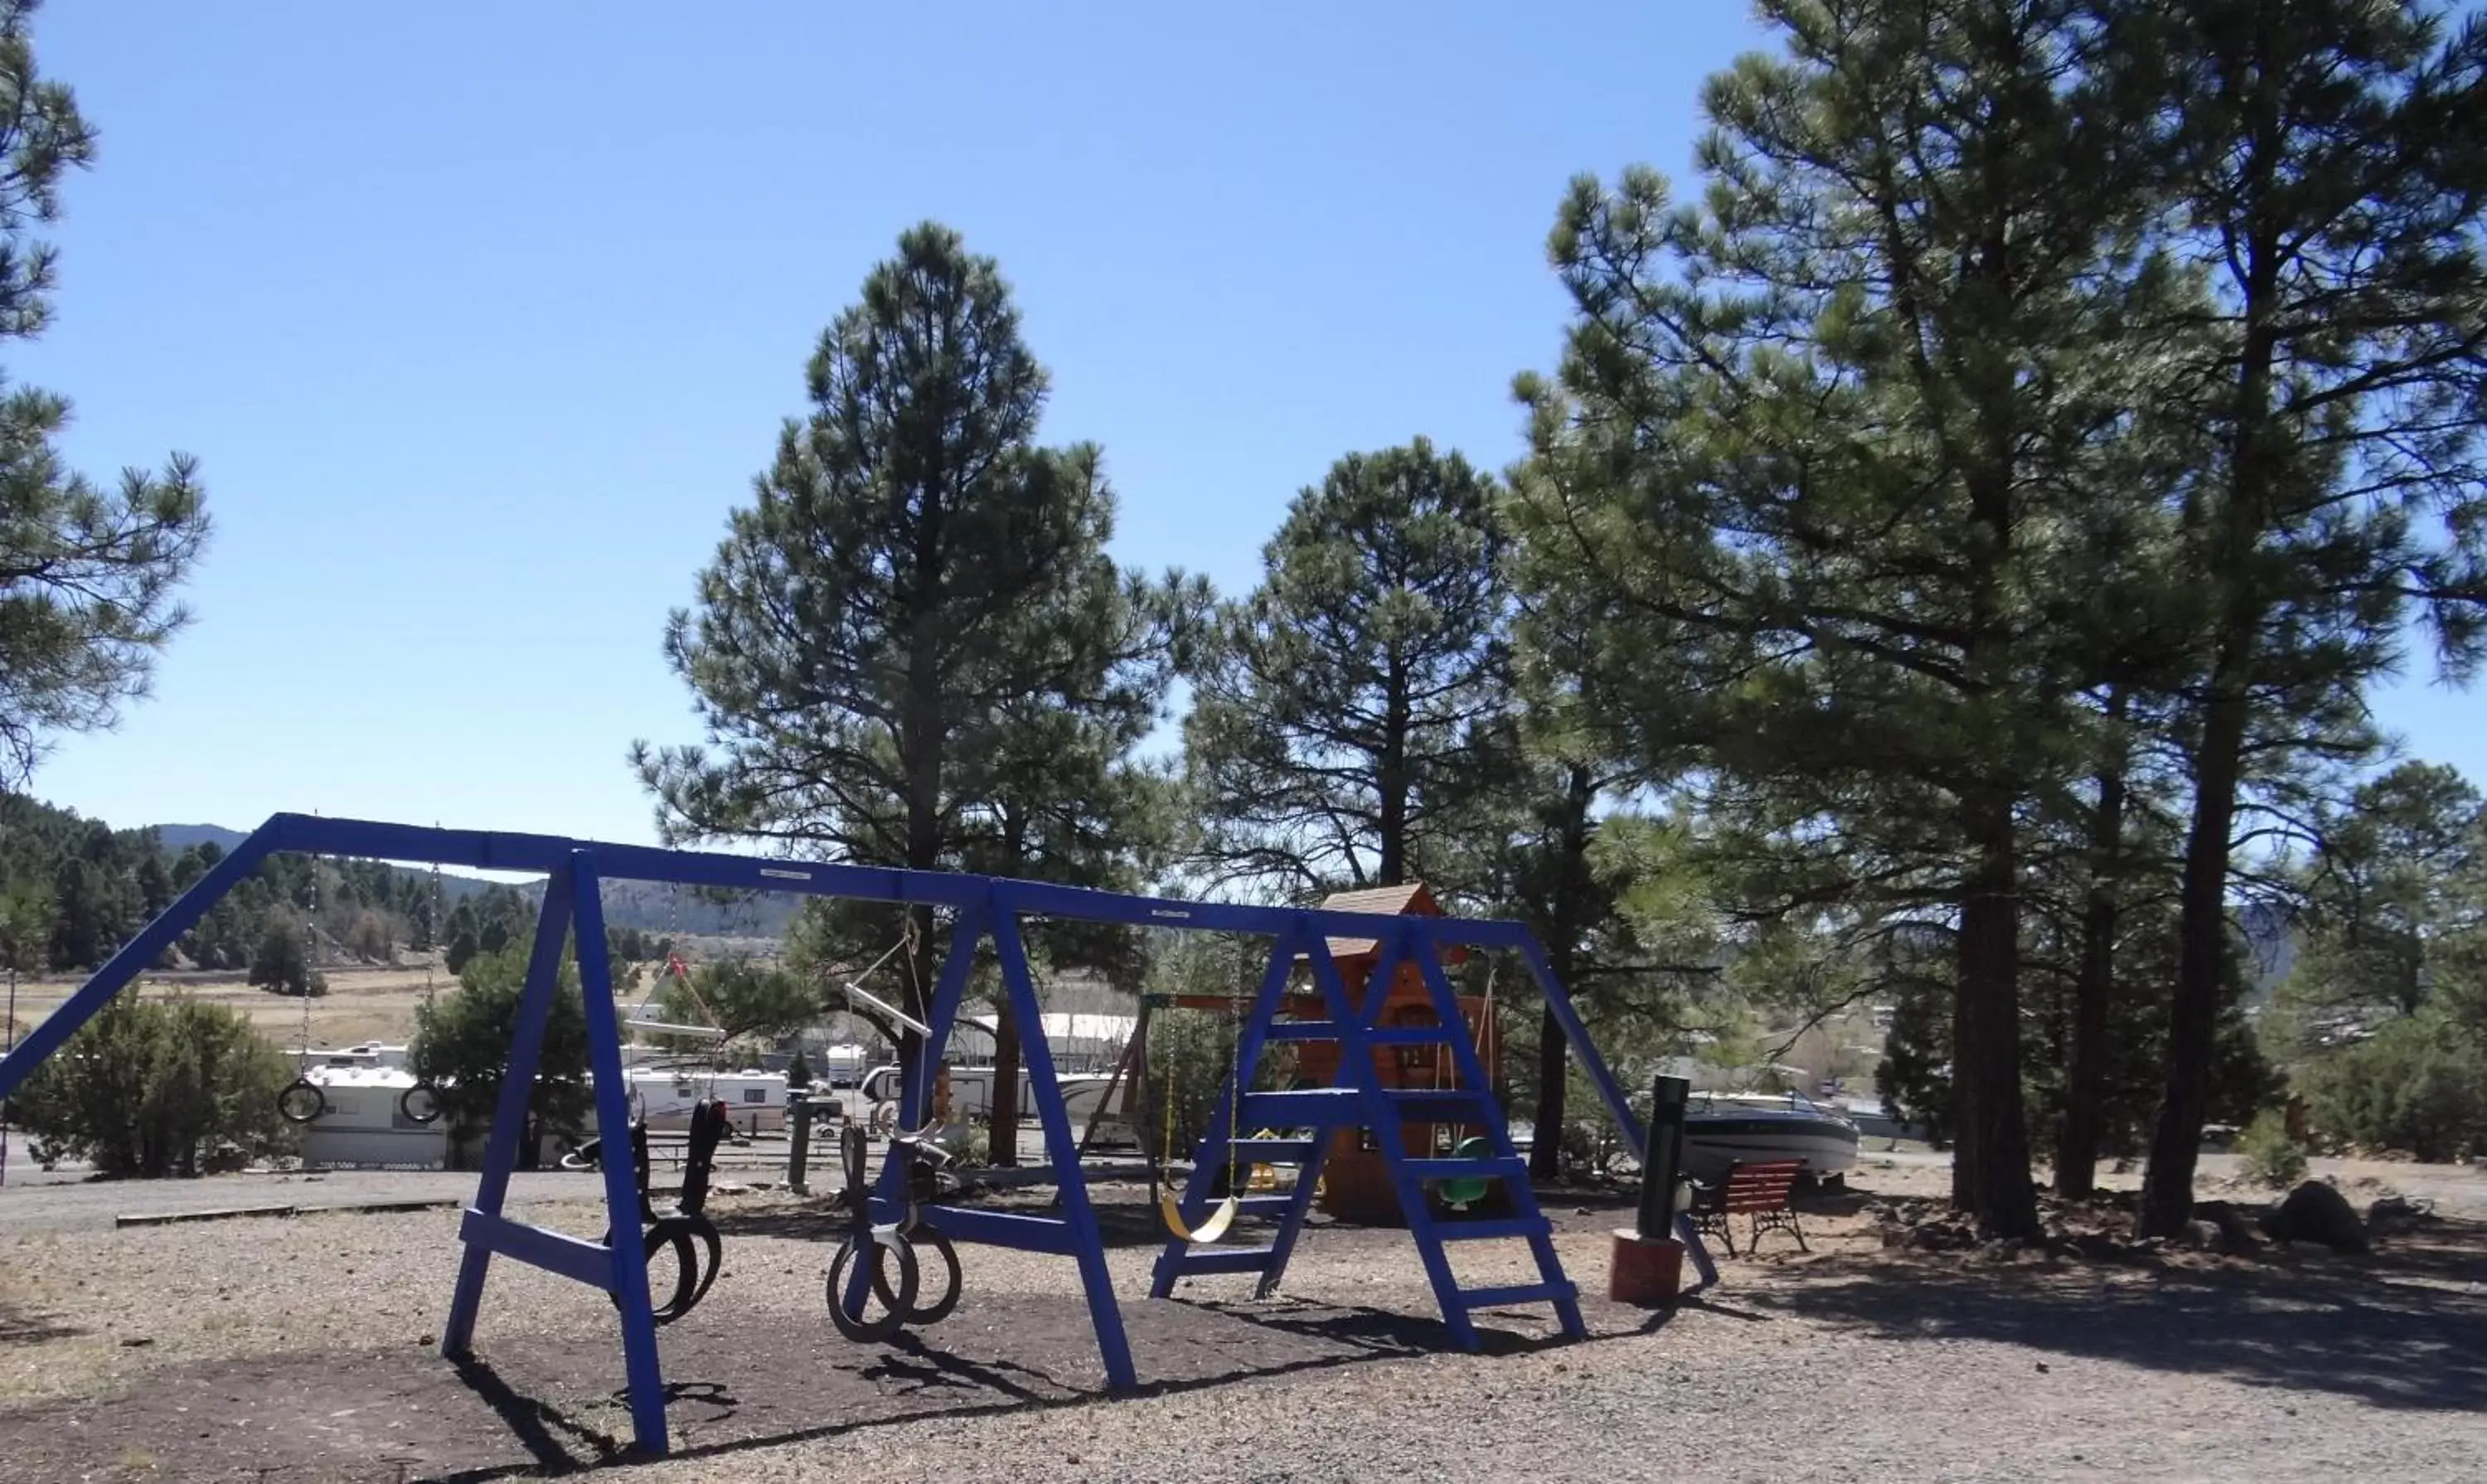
(492, 851)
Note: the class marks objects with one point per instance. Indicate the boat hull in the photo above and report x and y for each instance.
(1714, 1141)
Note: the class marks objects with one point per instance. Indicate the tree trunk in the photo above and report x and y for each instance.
(2077, 1144)
(922, 744)
(1546, 1152)
(1963, 1087)
(1002, 1125)
(1390, 782)
(1003, 1139)
(1990, 1133)
(2201, 953)
(2219, 759)
(1563, 957)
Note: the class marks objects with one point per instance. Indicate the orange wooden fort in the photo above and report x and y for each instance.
(1355, 1183)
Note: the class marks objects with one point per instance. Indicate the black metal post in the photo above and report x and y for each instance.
(1666, 1155)
(799, 1143)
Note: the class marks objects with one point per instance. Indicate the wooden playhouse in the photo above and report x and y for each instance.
(1355, 1183)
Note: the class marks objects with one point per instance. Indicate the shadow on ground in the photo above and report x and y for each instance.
(23, 1323)
(549, 1406)
(2401, 1328)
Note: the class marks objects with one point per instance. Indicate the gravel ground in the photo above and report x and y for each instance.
(1849, 1364)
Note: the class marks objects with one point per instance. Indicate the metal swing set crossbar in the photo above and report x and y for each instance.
(986, 908)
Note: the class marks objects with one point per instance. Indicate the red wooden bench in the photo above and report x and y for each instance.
(1758, 1190)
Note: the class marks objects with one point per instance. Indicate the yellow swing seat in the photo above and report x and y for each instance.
(1221, 1216)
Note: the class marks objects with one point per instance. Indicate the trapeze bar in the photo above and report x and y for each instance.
(857, 991)
(667, 1029)
(553, 1251)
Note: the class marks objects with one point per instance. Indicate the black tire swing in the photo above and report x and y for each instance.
(686, 1231)
(886, 1245)
(924, 1165)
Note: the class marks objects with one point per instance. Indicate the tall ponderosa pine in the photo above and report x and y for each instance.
(2328, 169)
(1839, 420)
(918, 595)
(87, 575)
(1352, 717)
(1585, 761)
(1068, 803)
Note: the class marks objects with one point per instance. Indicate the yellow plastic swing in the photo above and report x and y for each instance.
(1170, 1204)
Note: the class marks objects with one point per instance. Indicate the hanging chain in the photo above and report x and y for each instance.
(432, 945)
(310, 941)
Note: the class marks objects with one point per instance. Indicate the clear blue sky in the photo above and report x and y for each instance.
(481, 318)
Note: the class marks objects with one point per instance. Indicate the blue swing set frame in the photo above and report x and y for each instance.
(985, 907)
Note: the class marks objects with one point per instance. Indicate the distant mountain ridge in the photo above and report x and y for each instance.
(178, 838)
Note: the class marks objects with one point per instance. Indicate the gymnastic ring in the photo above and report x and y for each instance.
(291, 1106)
(855, 1326)
(430, 1102)
(922, 1236)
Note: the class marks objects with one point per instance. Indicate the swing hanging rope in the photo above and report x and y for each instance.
(302, 1102)
(1169, 1204)
(673, 965)
(906, 940)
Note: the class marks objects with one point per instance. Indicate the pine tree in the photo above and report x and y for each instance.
(87, 575)
(282, 963)
(1587, 764)
(1841, 419)
(2325, 165)
(916, 583)
(462, 1049)
(1068, 803)
(2393, 877)
(1352, 720)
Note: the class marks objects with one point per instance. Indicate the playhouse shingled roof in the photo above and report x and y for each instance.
(1410, 897)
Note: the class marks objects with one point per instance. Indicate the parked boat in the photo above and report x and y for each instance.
(1721, 1128)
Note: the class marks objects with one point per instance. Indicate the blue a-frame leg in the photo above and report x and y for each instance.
(570, 897)
(1073, 1234)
